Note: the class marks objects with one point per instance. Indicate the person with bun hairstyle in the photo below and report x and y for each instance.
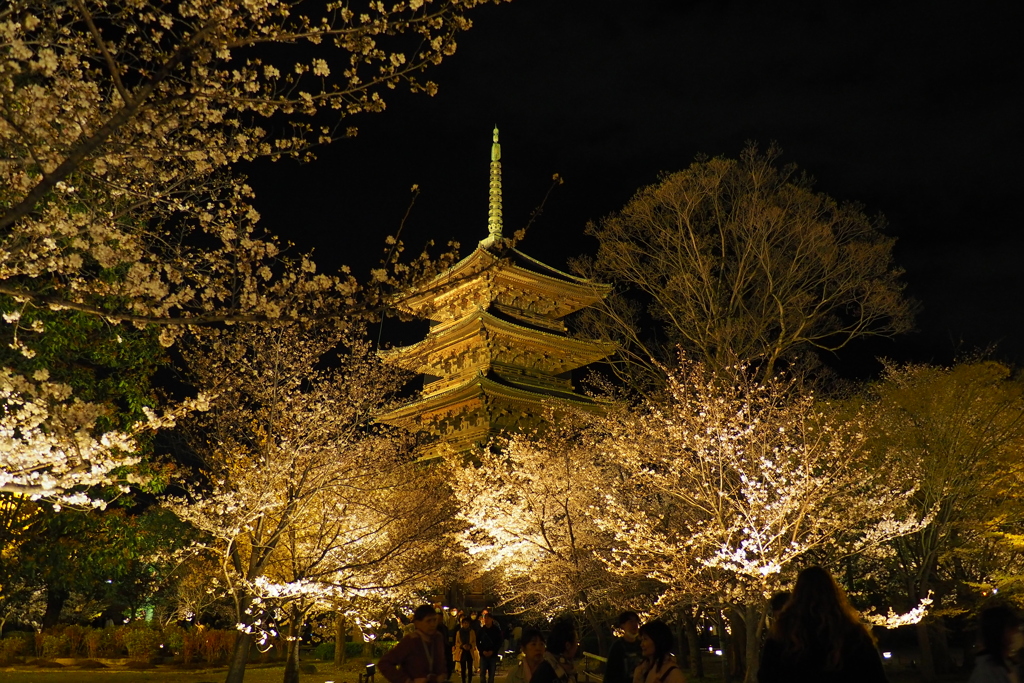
(818, 636)
(659, 664)
(420, 656)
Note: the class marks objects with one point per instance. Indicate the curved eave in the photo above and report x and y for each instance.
(583, 292)
(415, 357)
(480, 385)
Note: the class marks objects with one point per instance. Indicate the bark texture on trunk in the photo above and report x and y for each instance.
(737, 640)
(725, 645)
(754, 619)
(924, 642)
(55, 599)
(679, 637)
(339, 640)
(291, 662)
(693, 643)
(239, 658)
(942, 658)
(599, 630)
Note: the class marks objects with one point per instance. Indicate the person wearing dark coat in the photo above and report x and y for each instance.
(1001, 640)
(818, 636)
(625, 653)
(420, 656)
(489, 640)
(557, 666)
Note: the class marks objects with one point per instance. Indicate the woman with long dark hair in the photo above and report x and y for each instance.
(659, 664)
(819, 636)
(1001, 638)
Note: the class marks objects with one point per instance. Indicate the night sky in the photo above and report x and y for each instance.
(913, 108)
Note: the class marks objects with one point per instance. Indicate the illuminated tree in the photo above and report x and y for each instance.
(119, 126)
(730, 484)
(308, 503)
(964, 427)
(740, 262)
(383, 536)
(528, 505)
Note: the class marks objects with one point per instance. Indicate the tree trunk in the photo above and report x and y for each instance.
(599, 631)
(754, 619)
(679, 636)
(927, 659)
(291, 662)
(55, 599)
(941, 657)
(724, 645)
(738, 640)
(239, 658)
(339, 640)
(693, 643)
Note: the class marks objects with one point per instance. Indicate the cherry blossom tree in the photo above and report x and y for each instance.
(309, 502)
(527, 504)
(120, 126)
(722, 490)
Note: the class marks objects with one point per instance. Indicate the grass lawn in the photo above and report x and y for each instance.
(253, 674)
(262, 673)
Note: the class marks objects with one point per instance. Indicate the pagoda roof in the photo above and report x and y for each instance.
(485, 269)
(474, 389)
(427, 355)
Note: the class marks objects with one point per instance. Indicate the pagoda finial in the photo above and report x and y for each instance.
(494, 196)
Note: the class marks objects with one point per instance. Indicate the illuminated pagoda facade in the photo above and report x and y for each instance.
(497, 352)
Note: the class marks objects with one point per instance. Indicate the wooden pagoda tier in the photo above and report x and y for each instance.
(505, 280)
(497, 356)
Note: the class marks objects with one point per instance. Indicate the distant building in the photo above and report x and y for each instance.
(497, 350)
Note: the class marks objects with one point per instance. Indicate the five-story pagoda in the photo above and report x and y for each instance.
(497, 351)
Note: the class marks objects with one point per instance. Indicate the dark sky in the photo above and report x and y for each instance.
(913, 108)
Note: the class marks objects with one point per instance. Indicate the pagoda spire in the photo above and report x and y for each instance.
(494, 196)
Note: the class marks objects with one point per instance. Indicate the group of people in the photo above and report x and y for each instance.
(430, 652)
(815, 635)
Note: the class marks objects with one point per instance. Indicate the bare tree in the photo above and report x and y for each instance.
(740, 262)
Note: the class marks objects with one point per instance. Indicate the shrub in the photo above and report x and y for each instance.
(209, 645)
(216, 645)
(191, 643)
(93, 642)
(226, 642)
(54, 645)
(174, 638)
(142, 642)
(75, 635)
(324, 652)
(11, 647)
